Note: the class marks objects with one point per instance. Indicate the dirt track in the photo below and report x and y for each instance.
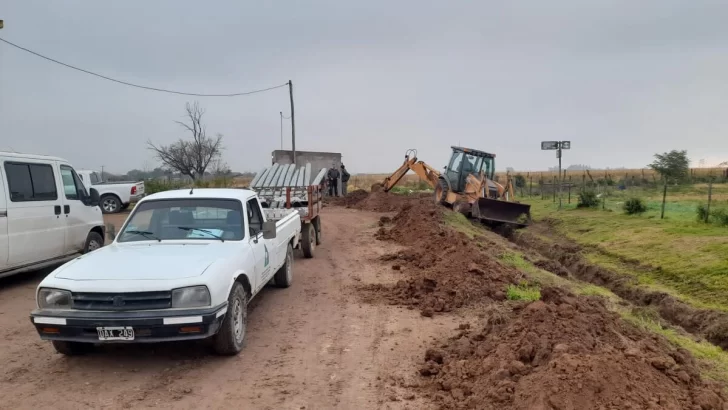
(310, 346)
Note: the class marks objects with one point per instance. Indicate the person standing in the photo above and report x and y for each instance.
(333, 176)
(344, 180)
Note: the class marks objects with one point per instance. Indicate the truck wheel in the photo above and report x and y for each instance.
(229, 339)
(110, 204)
(93, 241)
(284, 276)
(72, 348)
(317, 227)
(308, 240)
(441, 191)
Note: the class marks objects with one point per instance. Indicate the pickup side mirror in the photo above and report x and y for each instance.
(93, 197)
(269, 230)
(111, 231)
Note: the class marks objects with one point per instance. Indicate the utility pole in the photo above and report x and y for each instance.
(293, 122)
(558, 154)
(281, 112)
(102, 173)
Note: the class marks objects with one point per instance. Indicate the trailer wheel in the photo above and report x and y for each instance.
(317, 226)
(308, 240)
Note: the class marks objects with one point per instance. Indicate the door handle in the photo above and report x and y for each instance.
(66, 209)
(57, 209)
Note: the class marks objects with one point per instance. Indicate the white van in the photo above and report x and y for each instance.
(46, 214)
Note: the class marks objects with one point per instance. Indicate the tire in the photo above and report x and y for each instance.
(230, 339)
(308, 240)
(93, 241)
(124, 207)
(441, 191)
(317, 227)
(110, 204)
(284, 276)
(72, 348)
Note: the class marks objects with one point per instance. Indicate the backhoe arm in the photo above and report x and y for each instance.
(424, 171)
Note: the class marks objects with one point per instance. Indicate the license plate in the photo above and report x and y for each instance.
(115, 333)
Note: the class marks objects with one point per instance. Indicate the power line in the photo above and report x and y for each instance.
(137, 85)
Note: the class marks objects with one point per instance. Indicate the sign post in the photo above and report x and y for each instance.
(558, 146)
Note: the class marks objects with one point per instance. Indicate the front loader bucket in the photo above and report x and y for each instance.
(494, 210)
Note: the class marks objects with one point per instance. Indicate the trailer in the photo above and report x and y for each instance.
(282, 187)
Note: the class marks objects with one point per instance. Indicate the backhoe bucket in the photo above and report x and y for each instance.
(494, 210)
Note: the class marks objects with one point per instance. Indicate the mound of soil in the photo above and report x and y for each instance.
(565, 256)
(563, 352)
(444, 269)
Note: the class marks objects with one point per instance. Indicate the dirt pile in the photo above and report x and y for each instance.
(563, 352)
(565, 257)
(443, 268)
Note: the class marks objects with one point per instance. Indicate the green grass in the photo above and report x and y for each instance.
(460, 223)
(677, 254)
(524, 292)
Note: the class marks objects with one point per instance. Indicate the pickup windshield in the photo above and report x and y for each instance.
(184, 219)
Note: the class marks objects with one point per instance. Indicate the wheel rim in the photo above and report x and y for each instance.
(289, 266)
(109, 205)
(238, 321)
(93, 245)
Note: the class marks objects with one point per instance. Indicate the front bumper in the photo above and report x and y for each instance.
(149, 326)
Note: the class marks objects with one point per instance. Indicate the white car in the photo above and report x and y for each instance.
(46, 214)
(114, 196)
(184, 266)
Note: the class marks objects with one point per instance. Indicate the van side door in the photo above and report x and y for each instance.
(3, 222)
(36, 232)
(78, 216)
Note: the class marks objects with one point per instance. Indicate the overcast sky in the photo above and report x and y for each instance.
(620, 79)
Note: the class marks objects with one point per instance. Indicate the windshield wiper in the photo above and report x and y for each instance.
(189, 228)
(146, 234)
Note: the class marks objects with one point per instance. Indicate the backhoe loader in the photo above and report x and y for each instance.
(468, 186)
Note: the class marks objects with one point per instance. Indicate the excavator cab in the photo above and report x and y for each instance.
(465, 161)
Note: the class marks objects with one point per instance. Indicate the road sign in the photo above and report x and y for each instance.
(565, 144)
(549, 145)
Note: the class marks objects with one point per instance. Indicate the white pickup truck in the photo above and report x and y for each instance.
(115, 196)
(184, 266)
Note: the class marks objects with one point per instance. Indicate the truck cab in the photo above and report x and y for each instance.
(47, 215)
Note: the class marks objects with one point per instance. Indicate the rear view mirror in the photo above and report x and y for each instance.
(269, 230)
(94, 197)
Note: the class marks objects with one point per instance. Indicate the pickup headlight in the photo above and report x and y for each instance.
(54, 299)
(194, 296)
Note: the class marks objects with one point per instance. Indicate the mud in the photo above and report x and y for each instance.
(442, 269)
(566, 256)
(563, 352)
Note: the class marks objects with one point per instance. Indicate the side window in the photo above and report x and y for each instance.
(455, 163)
(31, 182)
(94, 178)
(255, 218)
(72, 185)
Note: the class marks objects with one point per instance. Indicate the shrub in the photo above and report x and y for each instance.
(702, 212)
(588, 199)
(520, 181)
(634, 206)
(718, 216)
(523, 292)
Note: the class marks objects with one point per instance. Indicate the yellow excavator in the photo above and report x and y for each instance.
(468, 186)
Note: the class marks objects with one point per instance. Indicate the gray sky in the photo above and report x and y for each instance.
(620, 79)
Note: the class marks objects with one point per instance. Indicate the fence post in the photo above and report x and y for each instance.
(710, 196)
(553, 187)
(540, 185)
(530, 186)
(664, 196)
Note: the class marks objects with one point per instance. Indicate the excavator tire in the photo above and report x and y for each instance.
(441, 191)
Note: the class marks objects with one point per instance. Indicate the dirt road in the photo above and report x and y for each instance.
(312, 346)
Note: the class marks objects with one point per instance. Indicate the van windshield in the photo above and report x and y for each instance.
(184, 219)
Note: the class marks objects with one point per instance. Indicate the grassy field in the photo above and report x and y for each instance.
(691, 256)
(698, 174)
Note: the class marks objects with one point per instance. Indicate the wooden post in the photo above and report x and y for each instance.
(664, 196)
(710, 197)
(530, 186)
(293, 123)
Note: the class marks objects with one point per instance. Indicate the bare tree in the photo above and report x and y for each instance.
(191, 157)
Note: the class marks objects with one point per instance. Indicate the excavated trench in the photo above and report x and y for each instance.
(561, 352)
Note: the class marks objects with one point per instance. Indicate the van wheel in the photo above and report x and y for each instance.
(93, 241)
(229, 339)
(110, 204)
(308, 240)
(72, 348)
(284, 276)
